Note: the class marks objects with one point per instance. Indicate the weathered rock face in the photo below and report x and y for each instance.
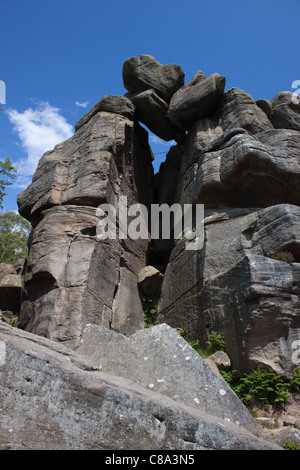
(144, 73)
(150, 281)
(160, 360)
(237, 156)
(52, 398)
(152, 111)
(111, 104)
(285, 112)
(247, 175)
(71, 278)
(195, 100)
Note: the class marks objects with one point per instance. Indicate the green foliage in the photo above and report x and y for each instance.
(270, 424)
(150, 310)
(253, 413)
(215, 342)
(196, 345)
(14, 321)
(5, 447)
(291, 445)
(10, 318)
(14, 231)
(284, 256)
(232, 378)
(295, 381)
(7, 172)
(264, 386)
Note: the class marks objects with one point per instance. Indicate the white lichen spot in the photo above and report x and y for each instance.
(145, 358)
(151, 385)
(227, 419)
(222, 392)
(196, 400)
(187, 358)
(160, 380)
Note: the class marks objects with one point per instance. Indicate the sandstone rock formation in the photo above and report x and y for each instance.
(71, 278)
(53, 398)
(195, 100)
(159, 359)
(145, 73)
(237, 156)
(150, 281)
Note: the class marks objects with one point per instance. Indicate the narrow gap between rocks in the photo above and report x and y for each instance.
(159, 147)
(159, 250)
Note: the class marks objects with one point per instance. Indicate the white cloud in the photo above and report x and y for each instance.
(39, 130)
(82, 105)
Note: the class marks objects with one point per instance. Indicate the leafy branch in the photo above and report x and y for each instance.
(8, 171)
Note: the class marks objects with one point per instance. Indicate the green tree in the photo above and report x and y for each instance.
(14, 232)
(7, 173)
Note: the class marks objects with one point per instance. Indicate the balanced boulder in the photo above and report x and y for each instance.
(144, 72)
(195, 100)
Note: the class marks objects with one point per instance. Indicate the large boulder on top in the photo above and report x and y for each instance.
(144, 72)
(151, 110)
(195, 100)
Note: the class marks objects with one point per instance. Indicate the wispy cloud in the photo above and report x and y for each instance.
(82, 105)
(39, 130)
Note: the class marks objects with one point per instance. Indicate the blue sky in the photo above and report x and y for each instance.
(58, 58)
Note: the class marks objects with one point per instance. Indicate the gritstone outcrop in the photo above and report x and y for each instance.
(237, 156)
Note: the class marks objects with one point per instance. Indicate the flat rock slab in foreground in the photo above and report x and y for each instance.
(53, 398)
(159, 359)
